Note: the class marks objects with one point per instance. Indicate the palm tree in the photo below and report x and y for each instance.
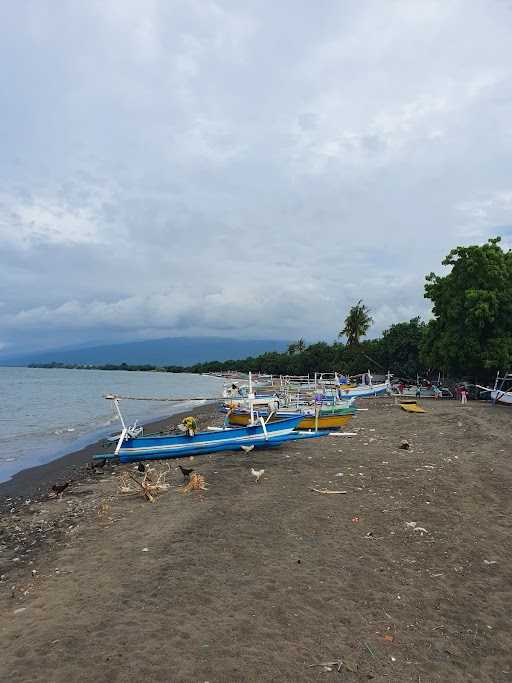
(297, 347)
(357, 323)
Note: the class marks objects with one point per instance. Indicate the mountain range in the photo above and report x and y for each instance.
(169, 351)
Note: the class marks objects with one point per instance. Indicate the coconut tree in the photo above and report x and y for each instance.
(297, 347)
(357, 323)
(300, 345)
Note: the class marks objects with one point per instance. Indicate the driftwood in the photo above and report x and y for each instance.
(150, 490)
(327, 491)
(338, 663)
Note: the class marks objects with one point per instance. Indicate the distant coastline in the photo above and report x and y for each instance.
(108, 366)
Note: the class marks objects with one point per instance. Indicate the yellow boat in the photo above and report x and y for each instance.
(309, 421)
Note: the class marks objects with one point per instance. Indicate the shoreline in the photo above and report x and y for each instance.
(35, 482)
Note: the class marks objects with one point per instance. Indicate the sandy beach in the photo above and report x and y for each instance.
(404, 577)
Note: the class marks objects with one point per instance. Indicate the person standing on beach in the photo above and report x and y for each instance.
(463, 396)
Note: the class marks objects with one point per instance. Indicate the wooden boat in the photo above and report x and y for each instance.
(365, 390)
(328, 418)
(499, 394)
(257, 435)
(425, 392)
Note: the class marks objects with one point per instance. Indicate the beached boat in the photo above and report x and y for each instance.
(257, 435)
(311, 418)
(365, 390)
(499, 394)
(432, 391)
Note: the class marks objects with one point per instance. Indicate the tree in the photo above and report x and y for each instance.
(399, 348)
(357, 323)
(297, 347)
(300, 345)
(471, 332)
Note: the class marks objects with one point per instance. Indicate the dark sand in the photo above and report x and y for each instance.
(34, 482)
(258, 582)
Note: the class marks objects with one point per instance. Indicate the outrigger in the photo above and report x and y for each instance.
(132, 446)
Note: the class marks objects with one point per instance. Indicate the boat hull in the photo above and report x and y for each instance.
(364, 391)
(161, 447)
(501, 396)
(332, 421)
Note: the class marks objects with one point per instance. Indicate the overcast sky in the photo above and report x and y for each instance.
(244, 168)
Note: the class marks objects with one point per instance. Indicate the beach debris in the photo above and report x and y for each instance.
(405, 445)
(490, 562)
(103, 509)
(414, 526)
(369, 649)
(257, 474)
(196, 483)
(248, 449)
(327, 666)
(327, 491)
(355, 519)
(186, 472)
(141, 467)
(150, 490)
(145, 550)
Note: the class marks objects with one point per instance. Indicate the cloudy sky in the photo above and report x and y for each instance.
(242, 168)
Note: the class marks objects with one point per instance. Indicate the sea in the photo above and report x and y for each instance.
(46, 413)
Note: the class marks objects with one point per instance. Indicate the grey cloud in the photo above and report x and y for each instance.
(212, 167)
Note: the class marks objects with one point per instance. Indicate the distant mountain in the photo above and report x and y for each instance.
(169, 351)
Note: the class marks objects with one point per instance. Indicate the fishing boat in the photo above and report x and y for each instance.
(365, 390)
(310, 418)
(498, 394)
(433, 391)
(258, 434)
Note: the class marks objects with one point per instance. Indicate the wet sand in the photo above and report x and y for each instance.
(34, 482)
(405, 577)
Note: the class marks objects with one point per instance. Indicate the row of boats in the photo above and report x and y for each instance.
(267, 413)
(256, 416)
(328, 405)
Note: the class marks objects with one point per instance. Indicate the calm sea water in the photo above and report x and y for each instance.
(47, 413)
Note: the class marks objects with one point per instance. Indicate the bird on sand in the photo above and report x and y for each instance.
(405, 445)
(186, 472)
(257, 474)
(60, 488)
(141, 467)
(247, 449)
(97, 464)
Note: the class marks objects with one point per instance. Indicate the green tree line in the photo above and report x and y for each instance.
(469, 335)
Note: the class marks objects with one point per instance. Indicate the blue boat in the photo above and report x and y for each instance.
(259, 435)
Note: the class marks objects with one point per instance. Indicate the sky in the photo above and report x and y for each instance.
(243, 168)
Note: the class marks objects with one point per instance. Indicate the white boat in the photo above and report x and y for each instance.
(498, 393)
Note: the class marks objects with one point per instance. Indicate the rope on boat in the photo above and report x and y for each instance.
(171, 400)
